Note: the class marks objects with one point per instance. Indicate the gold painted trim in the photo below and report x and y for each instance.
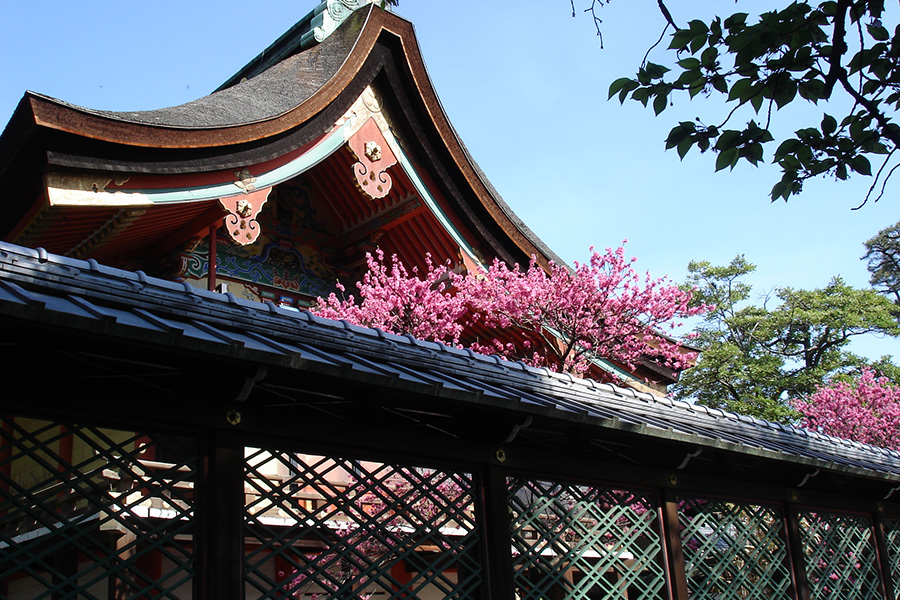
(88, 190)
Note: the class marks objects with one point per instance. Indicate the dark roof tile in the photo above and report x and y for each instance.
(126, 302)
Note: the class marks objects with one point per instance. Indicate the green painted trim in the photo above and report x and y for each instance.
(308, 160)
(433, 206)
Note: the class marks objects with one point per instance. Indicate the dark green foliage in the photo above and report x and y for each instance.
(758, 357)
(839, 53)
(883, 255)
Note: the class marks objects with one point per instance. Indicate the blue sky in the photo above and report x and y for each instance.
(524, 83)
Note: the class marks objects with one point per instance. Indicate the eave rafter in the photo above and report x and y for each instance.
(115, 226)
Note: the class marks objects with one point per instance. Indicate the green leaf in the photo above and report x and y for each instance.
(697, 86)
(829, 124)
(698, 27)
(788, 146)
(660, 102)
(727, 158)
(728, 139)
(676, 136)
(785, 93)
(753, 152)
(736, 20)
(779, 190)
(756, 101)
(616, 86)
(689, 63)
(861, 165)
(655, 71)
(697, 43)
(878, 32)
(709, 56)
(812, 90)
(681, 39)
(741, 90)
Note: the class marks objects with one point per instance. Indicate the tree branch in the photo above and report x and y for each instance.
(838, 46)
(665, 12)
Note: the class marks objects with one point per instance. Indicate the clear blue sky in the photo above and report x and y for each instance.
(524, 83)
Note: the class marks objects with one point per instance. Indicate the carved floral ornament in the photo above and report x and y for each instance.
(241, 223)
(375, 158)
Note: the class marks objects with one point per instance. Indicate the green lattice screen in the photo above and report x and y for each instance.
(841, 562)
(340, 528)
(577, 541)
(733, 551)
(93, 513)
(892, 541)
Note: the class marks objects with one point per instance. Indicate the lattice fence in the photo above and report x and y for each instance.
(339, 528)
(733, 551)
(892, 541)
(579, 541)
(841, 563)
(94, 513)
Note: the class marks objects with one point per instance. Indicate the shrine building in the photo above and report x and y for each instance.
(176, 425)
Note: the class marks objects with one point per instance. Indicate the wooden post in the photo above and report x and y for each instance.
(884, 558)
(123, 584)
(671, 531)
(493, 520)
(64, 563)
(6, 453)
(220, 520)
(211, 265)
(795, 549)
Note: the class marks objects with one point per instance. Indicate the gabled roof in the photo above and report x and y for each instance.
(40, 290)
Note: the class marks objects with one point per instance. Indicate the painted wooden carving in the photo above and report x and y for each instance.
(375, 158)
(240, 223)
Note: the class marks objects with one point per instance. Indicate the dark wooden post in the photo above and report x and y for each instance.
(671, 531)
(64, 562)
(220, 515)
(795, 550)
(493, 520)
(884, 558)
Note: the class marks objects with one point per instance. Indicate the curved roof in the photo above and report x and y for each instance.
(269, 103)
(278, 110)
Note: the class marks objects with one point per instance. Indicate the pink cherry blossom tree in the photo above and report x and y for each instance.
(866, 410)
(560, 317)
(396, 301)
(600, 309)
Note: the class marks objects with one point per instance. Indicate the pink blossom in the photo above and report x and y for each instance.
(397, 302)
(867, 410)
(562, 317)
(601, 309)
